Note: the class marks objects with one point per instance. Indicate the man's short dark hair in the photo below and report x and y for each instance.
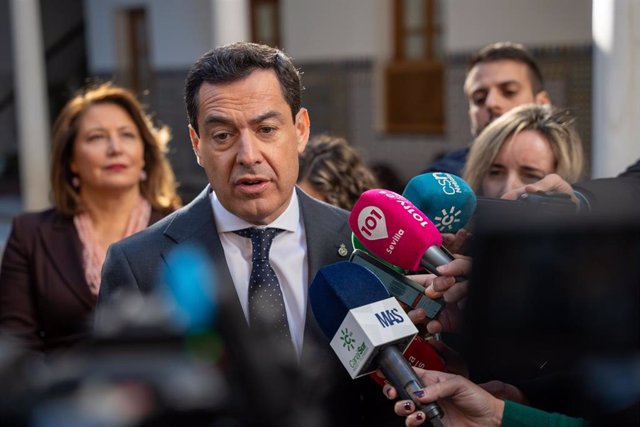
(227, 64)
(513, 52)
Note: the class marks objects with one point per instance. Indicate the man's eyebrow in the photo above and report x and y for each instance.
(485, 87)
(216, 120)
(510, 82)
(264, 116)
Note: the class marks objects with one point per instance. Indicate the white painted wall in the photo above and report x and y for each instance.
(616, 86)
(338, 29)
(312, 30)
(31, 103)
(473, 23)
(180, 31)
(230, 21)
(315, 30)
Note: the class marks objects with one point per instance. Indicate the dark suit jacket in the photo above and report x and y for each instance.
(633, 170)
(132, 266)
(44, 297)
(453, 162)
(612, 195)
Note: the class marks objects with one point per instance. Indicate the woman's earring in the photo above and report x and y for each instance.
(75, 182)
(143, 175)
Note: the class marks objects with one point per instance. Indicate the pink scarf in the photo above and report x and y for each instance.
(92, 254)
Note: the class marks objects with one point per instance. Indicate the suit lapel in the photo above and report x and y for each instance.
(325, 239)
(63, 247)
(195, 225)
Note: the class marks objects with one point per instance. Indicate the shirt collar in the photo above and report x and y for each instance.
(228, 222)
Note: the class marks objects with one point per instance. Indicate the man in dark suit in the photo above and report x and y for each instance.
(247, 128)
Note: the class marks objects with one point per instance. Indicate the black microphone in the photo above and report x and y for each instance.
(367, 327)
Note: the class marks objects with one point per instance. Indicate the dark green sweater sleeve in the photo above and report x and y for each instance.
(516, 415)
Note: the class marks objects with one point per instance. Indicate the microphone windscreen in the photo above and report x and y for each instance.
(190, 283)
(340, 287)
(393, 228)
(445, 198)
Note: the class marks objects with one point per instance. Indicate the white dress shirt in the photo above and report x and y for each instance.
(288, 257)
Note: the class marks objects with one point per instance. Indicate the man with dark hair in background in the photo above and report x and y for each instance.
(500, 76)
(247, 128)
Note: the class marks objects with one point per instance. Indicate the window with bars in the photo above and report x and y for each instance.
(265, 22)
(414, 79)
(134, 49)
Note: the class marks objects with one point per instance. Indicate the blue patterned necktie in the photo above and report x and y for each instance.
(266, 304)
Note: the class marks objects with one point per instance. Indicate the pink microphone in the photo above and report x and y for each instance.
(393, 229)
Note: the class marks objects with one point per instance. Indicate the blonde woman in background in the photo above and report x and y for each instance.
(523, 146)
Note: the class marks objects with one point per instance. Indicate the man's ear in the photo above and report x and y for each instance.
(303, 128)
(195, 143)
(543, 98)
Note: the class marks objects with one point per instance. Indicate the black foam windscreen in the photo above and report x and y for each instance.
(340, 287)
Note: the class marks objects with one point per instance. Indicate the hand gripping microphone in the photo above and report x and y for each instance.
(393, 229)
(366, 327)
(445, 198)
(421, 354)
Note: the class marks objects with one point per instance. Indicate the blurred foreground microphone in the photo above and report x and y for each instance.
(189, 291)
(445, 198)
(250, 361)
(182, 304)
(137, 359)
(190, 281)
(392, 228)
(366, 327)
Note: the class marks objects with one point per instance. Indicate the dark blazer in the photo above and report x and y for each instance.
(633, 170)
(612, 195)
(132, 265)
(452, 162)
(607, 195)
(44, 297)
